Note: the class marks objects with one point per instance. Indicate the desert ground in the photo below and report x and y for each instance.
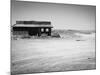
(53, 54)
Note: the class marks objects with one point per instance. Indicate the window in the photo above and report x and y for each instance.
(42, 30)
(47, 30)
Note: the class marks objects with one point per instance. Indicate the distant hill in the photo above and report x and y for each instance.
(73, 33)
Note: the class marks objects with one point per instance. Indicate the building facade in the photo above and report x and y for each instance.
(32, 28)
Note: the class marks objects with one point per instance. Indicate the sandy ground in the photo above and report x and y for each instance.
(48, 55)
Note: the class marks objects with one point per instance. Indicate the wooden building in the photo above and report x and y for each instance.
(32, 28)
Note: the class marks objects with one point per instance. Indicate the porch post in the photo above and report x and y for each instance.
(39, 31)
(49, 33)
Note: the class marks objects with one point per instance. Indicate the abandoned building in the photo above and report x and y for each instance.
(32, 28)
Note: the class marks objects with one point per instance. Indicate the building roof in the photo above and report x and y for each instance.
(33, 24)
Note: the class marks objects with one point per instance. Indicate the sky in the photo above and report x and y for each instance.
(62, 16)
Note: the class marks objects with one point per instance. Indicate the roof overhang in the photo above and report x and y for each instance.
(31, 25)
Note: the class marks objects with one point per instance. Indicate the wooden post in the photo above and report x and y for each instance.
(49, 33)
(44, 30)
(39, 31)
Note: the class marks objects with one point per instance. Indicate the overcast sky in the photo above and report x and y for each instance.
(62, 16)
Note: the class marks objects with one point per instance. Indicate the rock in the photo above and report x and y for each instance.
(55, 34)
(80, 40)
